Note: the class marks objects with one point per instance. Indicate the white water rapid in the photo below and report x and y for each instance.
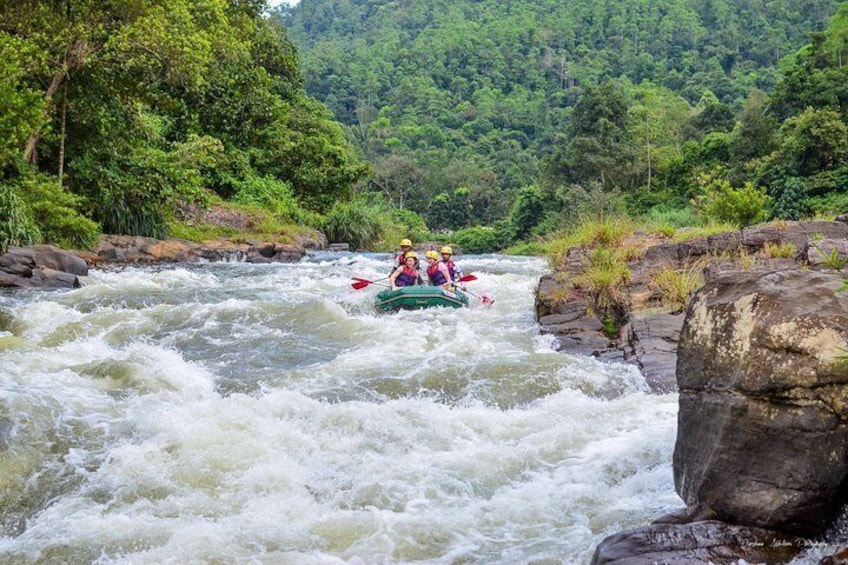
(236, 413)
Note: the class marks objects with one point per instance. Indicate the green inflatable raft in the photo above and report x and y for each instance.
(418, 297)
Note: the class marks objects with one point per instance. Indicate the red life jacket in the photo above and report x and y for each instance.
(437, 277)
(451, 268)
(409, 277)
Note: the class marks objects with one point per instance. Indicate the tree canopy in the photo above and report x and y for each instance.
(498, 96)
(138, 107)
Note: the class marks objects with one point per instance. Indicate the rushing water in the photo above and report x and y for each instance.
(236, 413)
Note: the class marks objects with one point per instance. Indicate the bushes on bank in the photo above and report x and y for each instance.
(352, 222)
(17, 227)
(58, 213)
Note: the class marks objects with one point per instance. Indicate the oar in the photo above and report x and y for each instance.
(484, 299)
(362, 283)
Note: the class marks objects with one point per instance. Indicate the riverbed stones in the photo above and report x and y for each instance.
(763, 423)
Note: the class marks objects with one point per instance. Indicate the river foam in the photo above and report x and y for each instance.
(267, 414)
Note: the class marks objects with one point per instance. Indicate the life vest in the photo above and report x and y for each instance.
(409, 277)
(401, 259)
(437, 277)
(451, 269)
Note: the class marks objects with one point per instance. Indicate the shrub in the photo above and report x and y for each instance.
(354, 223)
(57, 213)
(399, 224)
(268, 193)
(527, 248)
(480, 239)
(527, 211)
(830, 205)
(790, 200)
(17, 227)
(720, 202)
(666, 220)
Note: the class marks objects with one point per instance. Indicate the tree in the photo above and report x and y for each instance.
(450, 210)
(527, 212)
(598, 143)
(397, 177)
(21, 111)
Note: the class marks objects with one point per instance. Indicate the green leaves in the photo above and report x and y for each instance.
(17, 226)
(21, 106)
(721, 202)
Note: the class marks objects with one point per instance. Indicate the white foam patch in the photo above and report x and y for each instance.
(527, 455)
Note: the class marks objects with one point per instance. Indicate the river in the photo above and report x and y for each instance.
(238, 413)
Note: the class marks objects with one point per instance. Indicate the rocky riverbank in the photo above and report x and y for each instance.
(648, 330)
(46, 266)
(760, 362)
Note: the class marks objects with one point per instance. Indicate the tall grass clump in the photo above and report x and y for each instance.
(354, 222)
(780, 250)
(675, 285)
(705, 230)
(602, 277)
(606, 231)
(17, 227)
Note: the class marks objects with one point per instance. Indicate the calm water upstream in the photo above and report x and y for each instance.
(235, 413)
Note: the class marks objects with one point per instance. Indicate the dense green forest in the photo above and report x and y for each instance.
(485, 123)
(117, 116)
(519, 114)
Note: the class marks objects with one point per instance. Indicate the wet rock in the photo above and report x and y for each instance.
(707, 541)
(135, 249)
(653, 337)
(42, 266)
(763, 433)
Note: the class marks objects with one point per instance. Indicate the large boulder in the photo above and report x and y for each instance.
(42, 266)
(763, 423)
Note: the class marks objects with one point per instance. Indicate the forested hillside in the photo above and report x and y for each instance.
(463, 105)
(116, 116)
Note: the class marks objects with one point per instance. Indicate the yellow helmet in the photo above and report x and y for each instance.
(431, 255)
(405, 243)
(446, 250)
(409, 254)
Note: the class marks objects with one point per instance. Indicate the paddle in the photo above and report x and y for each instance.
(362, 283)
(484, 299)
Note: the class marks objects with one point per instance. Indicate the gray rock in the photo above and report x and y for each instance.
(762, 428)
(41, 266)
(707, 541)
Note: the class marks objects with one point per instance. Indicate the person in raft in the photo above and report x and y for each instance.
(437, 271)
(454, 269)
(406, 274)
(405, 247)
